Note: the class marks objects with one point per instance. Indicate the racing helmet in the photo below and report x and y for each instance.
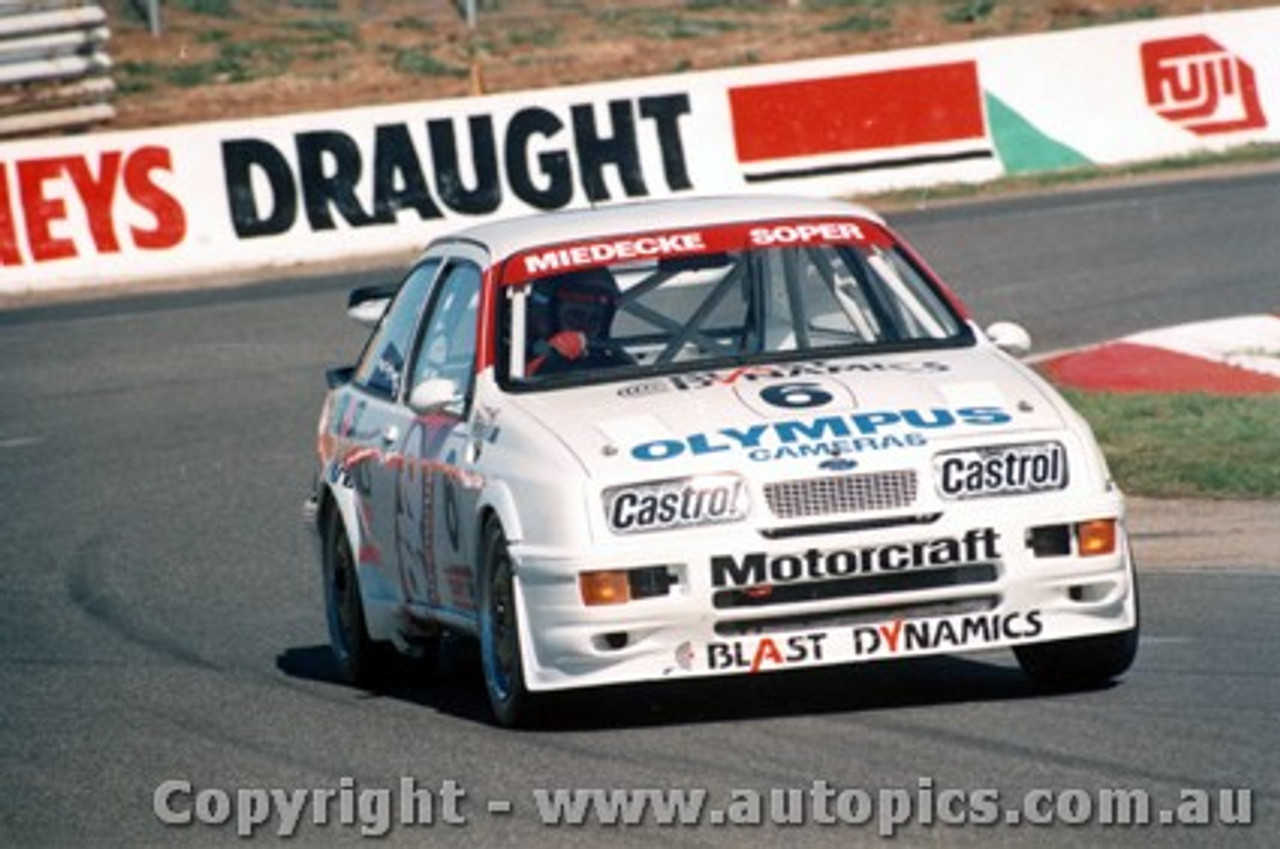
(586, 300)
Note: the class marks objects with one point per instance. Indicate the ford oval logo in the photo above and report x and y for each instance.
(838, 464)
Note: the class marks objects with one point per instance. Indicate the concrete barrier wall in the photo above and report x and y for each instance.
(213, 198)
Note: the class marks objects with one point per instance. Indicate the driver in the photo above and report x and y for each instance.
(570, 317)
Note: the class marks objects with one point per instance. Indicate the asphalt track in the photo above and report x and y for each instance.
(161, 618)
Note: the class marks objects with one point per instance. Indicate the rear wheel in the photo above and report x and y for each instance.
(360, 659)
(513, 704)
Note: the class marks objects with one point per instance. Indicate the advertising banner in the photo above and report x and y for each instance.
(216, 198)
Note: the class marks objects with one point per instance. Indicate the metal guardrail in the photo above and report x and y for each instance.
(54, 69)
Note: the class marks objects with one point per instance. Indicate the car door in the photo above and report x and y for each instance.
(377, 422)
(439, 489)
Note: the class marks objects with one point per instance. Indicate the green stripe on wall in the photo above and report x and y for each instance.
(1022, 147)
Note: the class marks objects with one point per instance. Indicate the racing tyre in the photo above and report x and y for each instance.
(513, 705)
(360, 659)
(1088, 661)
(1082, 663)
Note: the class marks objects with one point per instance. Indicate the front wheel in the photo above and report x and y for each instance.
(1081, 663)
(512, 703)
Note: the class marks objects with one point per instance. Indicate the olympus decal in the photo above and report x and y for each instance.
(824, 435)
(756, 569)
(1007, 470)
(680, 503)
(957, 633)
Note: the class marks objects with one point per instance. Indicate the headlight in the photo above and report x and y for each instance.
(676, 503)
(1001, 470)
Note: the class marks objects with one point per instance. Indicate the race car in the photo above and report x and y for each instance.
(705, 437)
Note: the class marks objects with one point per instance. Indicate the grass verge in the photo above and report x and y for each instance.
(1188, 445)
(1258, 154)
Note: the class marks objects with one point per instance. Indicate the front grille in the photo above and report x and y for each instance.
(861, 616)
(838, 494)
(857, 587)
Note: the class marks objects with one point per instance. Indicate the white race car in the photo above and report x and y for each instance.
(706, 437)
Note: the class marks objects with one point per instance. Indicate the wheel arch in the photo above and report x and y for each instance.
(326, 508)
(339, 503)
(498, 503)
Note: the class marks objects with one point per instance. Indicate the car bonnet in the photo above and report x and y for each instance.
(859, 411)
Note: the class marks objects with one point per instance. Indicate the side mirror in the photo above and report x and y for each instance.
(367, 304)
(339, 376)
(433, 395)
(1010, 337)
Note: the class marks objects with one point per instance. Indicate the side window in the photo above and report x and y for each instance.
(448, 345)
(381, 366)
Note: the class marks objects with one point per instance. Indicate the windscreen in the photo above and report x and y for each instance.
(775, 292)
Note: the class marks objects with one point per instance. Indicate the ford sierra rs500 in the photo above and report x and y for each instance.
(705, 437)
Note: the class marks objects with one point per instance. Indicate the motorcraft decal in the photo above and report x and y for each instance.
(757, 569)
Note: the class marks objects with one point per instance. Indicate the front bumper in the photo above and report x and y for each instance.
(741, 603)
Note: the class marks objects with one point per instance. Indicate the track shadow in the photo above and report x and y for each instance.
(453, 685)
(450, 683)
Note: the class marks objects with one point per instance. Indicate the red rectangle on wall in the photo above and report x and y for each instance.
(885, 109)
